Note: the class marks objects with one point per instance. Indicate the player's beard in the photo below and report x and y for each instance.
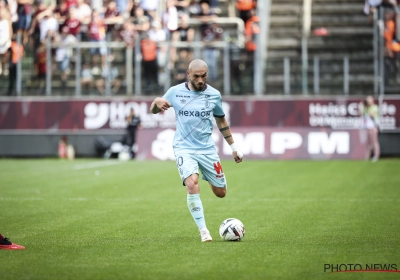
(197, 88)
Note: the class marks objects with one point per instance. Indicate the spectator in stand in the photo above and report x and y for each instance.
(24, 11)
(237, 66)
(70, 3)
(111, 17)
(48, 25)
(128, 33)
(214, 5)
(149, 63)
(149, 7)
(97, 5)
(64, 55)
(158, 35)
(170, 18)
(206, 16)
(97, 33)
(72, 23)
(392, 48)
(5, 37)
(113, 76)
(142, 22)
(212, 33)
(13, 8)
(245, 7)
(185, 33)
(124, 7)
(182, 6)
(61, 12)
(41, 67)
(34, 30)
(87, 81)
(83, 13)
(180, 70)
(251, 30)
(16, 54)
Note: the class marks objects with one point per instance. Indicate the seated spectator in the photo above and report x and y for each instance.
(182, 6)
(5, 37)
(64, 55)
(157, 34)
(206, 16)
(87, 81)
(113, 77)
(244, 7)
(97, 33)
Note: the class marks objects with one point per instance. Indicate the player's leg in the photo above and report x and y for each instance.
(188, 170)
(6, 244)
(211, 169)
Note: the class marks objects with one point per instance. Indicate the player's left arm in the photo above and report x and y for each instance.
(225, 130)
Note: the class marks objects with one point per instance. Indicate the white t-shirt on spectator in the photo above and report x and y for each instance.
(170, 18)
(82, 12)
(62, 53)
(149, 5)
(157, 35)
(5, 41)
(47, 24)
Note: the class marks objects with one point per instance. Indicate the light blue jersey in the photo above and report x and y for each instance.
(194, 111)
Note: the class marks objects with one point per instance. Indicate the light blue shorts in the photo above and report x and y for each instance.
(209, 165)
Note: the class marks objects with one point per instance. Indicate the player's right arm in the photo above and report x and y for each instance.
(159, 105)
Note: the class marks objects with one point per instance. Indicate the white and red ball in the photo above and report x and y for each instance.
(231, 229)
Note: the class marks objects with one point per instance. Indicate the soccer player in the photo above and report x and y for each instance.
(6, 244)
(195, 103)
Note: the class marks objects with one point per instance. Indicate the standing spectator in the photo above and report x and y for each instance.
(24, 11)
(142, 22)
(180, 68)
(124, 7)
(133, 125)
(206, 16)
(128, 33)
(83, 13)
(237, 66)
(392, 48)
(41, 67)
(149, 62)
(16, 54)
(97, 33)
(185, 33)
(157, 34)
(5, 37)
(182, 6)
(170, 18)
(244, 7)
(251, 30)
(369, 112)
(111, 17)
(149, 7)
(72, 23)
(34, 30)
(211, 54)
(13, 7)
(63, 54)
(61, 12)
(48, 25)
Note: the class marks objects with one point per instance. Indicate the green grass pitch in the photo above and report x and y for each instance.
(94, 219)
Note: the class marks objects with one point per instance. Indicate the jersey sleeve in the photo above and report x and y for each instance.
(218, 111)
(169, 95)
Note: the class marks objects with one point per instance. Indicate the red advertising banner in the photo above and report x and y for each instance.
(266, 143)
(93, 114)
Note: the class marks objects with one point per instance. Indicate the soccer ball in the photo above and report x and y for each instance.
(231, 230)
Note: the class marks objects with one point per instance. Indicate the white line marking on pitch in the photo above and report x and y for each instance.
(96, 164)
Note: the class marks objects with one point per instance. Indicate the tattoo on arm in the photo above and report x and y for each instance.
(224, 128)
(229, 136)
